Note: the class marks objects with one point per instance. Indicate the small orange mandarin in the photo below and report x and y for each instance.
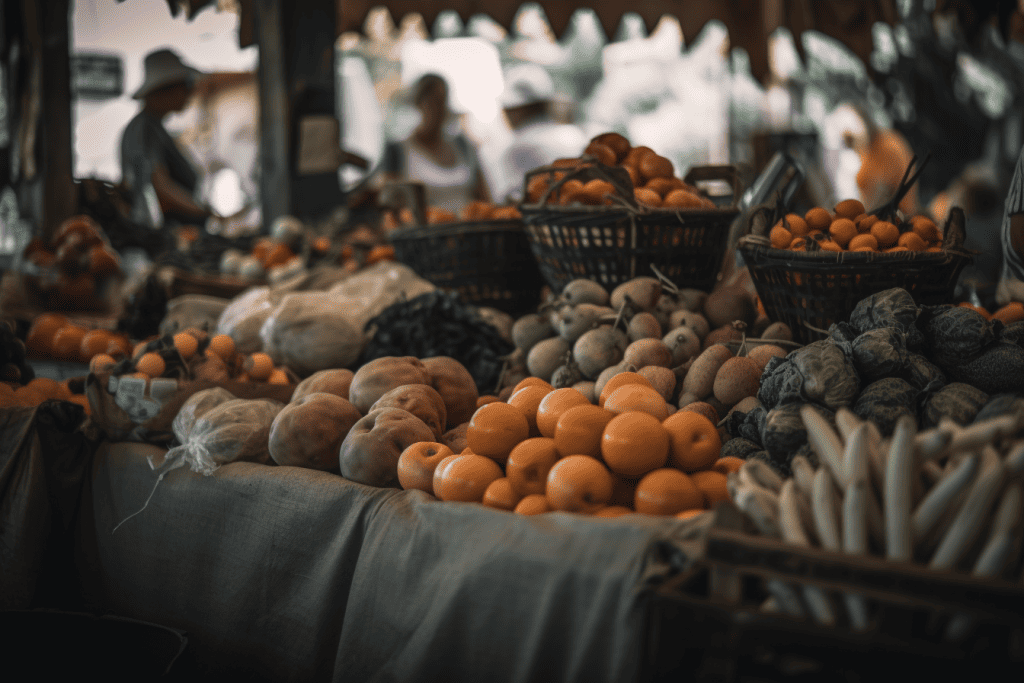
(712, 486)
(866, 240)
(553, 405)
(829, 245)
(613, 511)
(278, 376)
(780, 237)
(501, 496)
(139, 349)
(579, 483)
(621, 379)
(885, 233)
(912, 241)
(485, 399)
(925, 228)
(417, 463)
(634, 443)
(796, 225)
(818, 219)
(728, 464)
(866, 222)
(534, 504)
(694, 442)
(223, 346)
(151, 364)
(1010, 313)
(687, 514)
(101, 362)
(666, 491)
(637, 397)
(579, 430)
(529, 463)
(119, 346)
(527, 400)
(495, 429)
(29, 396)
(849, 208)
(467, 477)
(439, 471)
(39, 341)
(47, 386)
(94, 342)
(258, 366)
(648, 197)
(532, 381)
(186, 344)
(842, 230)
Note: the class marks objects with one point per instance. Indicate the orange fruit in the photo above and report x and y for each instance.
(118, 346)
(613, 511)
(101, 362)
(637, 397)
(660, 185)
(633, 173)
(467, 477)
(712, 486)
(728, 464)
(579, 483)
(485, 399)
(527, 400)
(67, 343)
(258, 366)
(780, 237)
(151, 363)
(417, 463)
(29, 396)
(842, 230)
(381, 252)
(818, 219)
(849, 208)
(552, 407)
(261, 248)
(865, 241)
(885, 233)
(981, 310)
(529, 463)
(223, 346)
(655, 166)
(796, 225)
(912, 241)
(579, 430)
(435, 482)
(495, 429)
(322, 244)
(139, 349)
(829, 245)
(616, 141)
(94, 342)
(534, 504)
(621, 379)
(47, 386)
(532, 381)
(895, 249)
(39, 341)
(634, 443)
(602, 153)
(925, 228)
(684, 199)
(646, 196)
(186, 344)
(1010, 313)
(694, 442)
(687, 514)
(571, 191)
(635, 154)
(799, 244)
(597, 191)
(278, 376)
(501, 496)
(666, 491)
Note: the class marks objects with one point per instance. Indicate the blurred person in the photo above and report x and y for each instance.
(447, 165)
(161, 182)
(537, 138)
(1011, 284)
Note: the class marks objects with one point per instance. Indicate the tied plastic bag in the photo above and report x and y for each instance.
(243, 318)
(311, 331)
(366, 294)
(235, 430)
(195, 407)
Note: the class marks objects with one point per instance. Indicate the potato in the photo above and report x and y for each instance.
(370, 452)
(422, 401)
(335, 381)
(737, 379)
(729, 303)
(457, 388)
(309, 432)
(700, 378)
(765, 352)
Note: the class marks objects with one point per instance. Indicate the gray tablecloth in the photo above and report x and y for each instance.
(284, 573)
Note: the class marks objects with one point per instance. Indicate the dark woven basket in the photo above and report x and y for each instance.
(613, 244)
(488, 263)
(811, 290)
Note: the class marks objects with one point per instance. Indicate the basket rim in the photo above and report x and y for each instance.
(587, 209)
(459, 227)
(833, 258)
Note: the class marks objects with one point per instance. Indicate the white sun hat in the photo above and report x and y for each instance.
(526, 84)
(161, 68)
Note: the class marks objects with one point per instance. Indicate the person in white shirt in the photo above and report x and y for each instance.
(538, 139)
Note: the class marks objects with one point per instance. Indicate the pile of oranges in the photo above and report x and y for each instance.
(38, 390)
(652, 176)
(548, 449)
(53, 336)
(1010, 313)
(69, 268)
(848, 228)
(435, 215)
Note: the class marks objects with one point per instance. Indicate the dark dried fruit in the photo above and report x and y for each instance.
(821, 373)
(891, 308)
(884, 402)
(958, 401)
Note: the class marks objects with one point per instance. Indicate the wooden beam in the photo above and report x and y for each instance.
(275, 186)
(55, 135)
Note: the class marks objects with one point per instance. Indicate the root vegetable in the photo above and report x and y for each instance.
(583, 291)
(700, 378)
(530, 329)
(597, 350)
(643, 326)
(545, 357)
(684, 344)
(737, 379)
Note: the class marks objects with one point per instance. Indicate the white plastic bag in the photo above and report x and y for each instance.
(311, 331)
(244, 316)
(367, 293)
(195, 407)
(235, 430)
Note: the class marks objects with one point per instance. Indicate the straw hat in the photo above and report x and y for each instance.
(161, 68)
(526, 84)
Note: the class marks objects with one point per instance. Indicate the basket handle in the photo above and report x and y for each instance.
(955, 233)
(397, 194)
(726, 172)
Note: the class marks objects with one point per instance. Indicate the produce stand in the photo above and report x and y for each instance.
(293, 574)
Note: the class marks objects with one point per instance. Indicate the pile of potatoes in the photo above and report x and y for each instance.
(693, 347)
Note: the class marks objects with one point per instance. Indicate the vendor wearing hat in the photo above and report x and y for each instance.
(161, 181)
(537, 138)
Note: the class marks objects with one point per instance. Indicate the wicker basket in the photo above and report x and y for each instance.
(488, 263)
(811, 290)
(613, 244)
(707, 623)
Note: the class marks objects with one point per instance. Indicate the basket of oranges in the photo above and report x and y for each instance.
(482, 254)
(811, 270)
(617, 210)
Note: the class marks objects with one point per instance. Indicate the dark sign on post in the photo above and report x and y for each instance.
(96, 76)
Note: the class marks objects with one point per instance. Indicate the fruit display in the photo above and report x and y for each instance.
(76, 270)
(652, 179)
(474, 211)
(948, 498)
(848, 228)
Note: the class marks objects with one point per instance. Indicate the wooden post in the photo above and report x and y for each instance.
(275, 185)
(55, 134)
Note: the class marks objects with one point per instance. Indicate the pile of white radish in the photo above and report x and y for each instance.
(949, 498)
